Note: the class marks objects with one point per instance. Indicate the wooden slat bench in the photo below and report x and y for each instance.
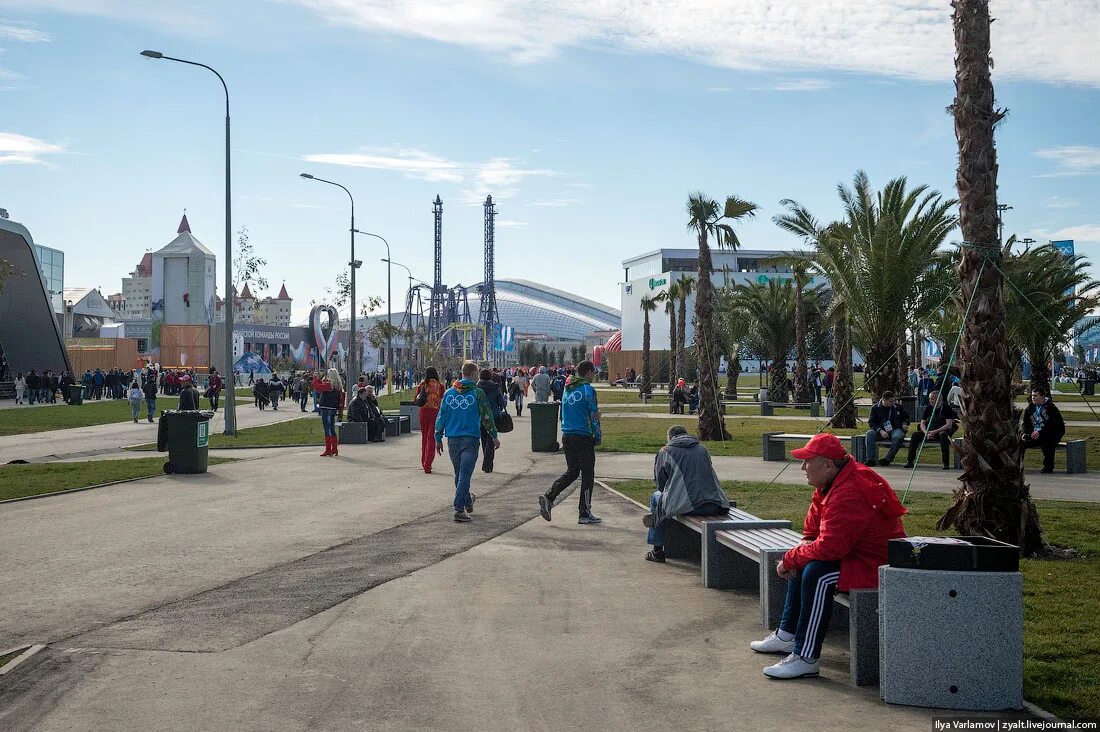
(766, 547)
(767, 409)
(1076, 459)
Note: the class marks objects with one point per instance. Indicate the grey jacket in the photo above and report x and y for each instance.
(541, 385)
(684, 473)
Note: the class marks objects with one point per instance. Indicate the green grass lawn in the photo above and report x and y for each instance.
(19, 481)
(644, 435)
(21, 421)
(1061, 625)
(10, 657)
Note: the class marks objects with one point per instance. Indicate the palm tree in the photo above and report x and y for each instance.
(844, 413)
(769, 312)
(880, 261)
(799, 265)
(648, 305)
(732, 330)
(686, 285)
(670, 297)
(993, 499)
(705, 218)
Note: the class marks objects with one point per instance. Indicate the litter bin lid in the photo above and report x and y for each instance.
(198, 415)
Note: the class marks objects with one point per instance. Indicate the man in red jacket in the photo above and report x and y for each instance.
(854, 512)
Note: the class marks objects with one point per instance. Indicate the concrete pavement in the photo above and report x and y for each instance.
(295, 593)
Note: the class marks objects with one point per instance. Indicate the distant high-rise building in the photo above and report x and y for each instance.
(137, 290)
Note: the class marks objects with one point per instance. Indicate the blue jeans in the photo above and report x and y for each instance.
(151, 406)
(809, 606)
(135, 410)
(872, 436)
(463, 452)
(328, 421)
(656, 535)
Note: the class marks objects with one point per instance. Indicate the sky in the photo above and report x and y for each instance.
(589, 122)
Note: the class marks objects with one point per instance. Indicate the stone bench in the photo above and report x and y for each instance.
(1076, 460)
(397, 425)
(767, 409)
(765, 547)
(774, 444)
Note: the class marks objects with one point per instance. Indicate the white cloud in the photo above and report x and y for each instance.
(1032, 39)
(508, 223)
(555, 202)
(797, 85)
(22, 32)
(1071, 160)
(1083, 233)
(22, 150)
(1061, 202)
(500, 176)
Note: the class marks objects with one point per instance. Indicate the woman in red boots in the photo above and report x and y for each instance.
(331, 390)
(429, 395)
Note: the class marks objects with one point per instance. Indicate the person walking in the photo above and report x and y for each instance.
(20, 387)
(542, 383)
(497, 405)
(462, 413)
(274, 391)
(214, 388)
(518, 393)
(32, 384)
(135, 397)
(330, 390)
(259, 393)
(580, 429)
(150, 390)
(429, 394)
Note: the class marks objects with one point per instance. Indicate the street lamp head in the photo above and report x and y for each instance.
(356, 263)
(152, 54)
(384, 260)
(307, 175)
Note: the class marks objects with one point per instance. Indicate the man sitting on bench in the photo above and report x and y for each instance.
(937, 423)
(853, 514)
(686, 486)
(1043, 427)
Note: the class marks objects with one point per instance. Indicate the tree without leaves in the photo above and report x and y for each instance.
(247, 266)
(707, 219)
(993, 499)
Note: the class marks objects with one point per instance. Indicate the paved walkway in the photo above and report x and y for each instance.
(337, 594)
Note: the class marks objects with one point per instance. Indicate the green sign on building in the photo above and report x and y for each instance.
(655, 283)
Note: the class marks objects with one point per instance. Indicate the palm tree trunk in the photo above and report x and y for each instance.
(845, 412)
(647, 376)
(673, 366)
(711, 426)
(1040, 370)
(881, 369)
(733, 370)
(803, 394)
(903, 366)
(681, 345)
(993, 499)
(777, 377)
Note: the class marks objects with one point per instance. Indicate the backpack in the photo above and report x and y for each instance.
(557, 386)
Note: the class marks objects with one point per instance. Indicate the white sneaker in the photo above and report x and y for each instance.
(792, 667)
(772, 644)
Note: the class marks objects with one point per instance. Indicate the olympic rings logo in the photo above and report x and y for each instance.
(572, 397)
(461, 401)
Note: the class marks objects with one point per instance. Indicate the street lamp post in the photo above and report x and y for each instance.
(231, 400)
(389, 310)
(353, 339)
(408, 310)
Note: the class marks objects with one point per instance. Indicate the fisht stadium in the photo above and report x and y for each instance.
(534, 309)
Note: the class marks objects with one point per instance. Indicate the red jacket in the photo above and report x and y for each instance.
(851, 523)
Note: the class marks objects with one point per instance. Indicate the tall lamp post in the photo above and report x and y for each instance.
(411, 278)
(353, 340)
(231, 400)
(389, 309)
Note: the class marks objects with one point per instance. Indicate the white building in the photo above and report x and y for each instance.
(137, 290)
(249, 309)
(651, 273)
(89, 312)
(183, 281)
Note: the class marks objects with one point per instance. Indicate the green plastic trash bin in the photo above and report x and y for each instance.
(186, 437)
(544, 426)
(76, 394)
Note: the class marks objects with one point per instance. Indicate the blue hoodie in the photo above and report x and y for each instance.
(579, 408)
(462, 412)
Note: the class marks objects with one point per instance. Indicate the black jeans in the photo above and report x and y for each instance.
(487, 450)
(580, 460)
(917, 440)
(1046, 444)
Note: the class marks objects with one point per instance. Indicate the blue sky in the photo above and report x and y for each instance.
(589, 122)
